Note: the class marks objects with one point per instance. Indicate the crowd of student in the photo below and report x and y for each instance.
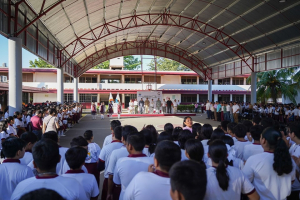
(256, 159)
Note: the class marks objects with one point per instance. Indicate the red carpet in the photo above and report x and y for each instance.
(154, 115)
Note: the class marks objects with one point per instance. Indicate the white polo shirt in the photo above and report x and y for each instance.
(126, 168)
(106, 152)
(88, 182)
(252, 149)
(12, 173)
(207, 106)
(235, 108)
(107, 140)
(114, 157)
(11, 130)
(238, 184)
(259, 170)
(146, 151)
(27, 158)
(175, 104)
(148, 186)
(239, 147)
(295, 151)
(68, 188)
(93, 153)
(66, 167)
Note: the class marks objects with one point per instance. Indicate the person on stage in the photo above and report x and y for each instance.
(164, 103)
(93, 110)
(141, 105)
(135, 103)
(147, 104)
(158, 105)
(151, 106)
(119, 109)
(102, 110)
(110, 109)
(169, 104)
(131, 107)
(175, 106)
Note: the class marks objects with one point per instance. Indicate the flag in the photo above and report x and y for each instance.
(118, 98)
(110, 98)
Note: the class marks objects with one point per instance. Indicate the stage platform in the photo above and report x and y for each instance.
(155, 115)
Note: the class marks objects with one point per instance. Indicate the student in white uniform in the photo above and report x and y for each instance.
(127, 167)
(43, 193)
(12, 172)
(75, 157)
(255, 147)
(194, 151)
(155, 184)
(239, 132)
(225, 182)
(188, 181)
(92, 155)
(104, 159)
(204, 137)
(271, 172)
(113, 125)
(30, 139)
(184, 135)
(11, 131)
(6, 115)
(45, 158)
(3, 129)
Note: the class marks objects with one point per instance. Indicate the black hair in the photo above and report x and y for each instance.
(282, 159)
(189, 179)
(153, 132)
(164, 136)
(195, 128)
(184, 135)
(167, 153)
(29, 137)
(216, 134)
(240, 130)
(88, 134)
(231, 125)
(168, 127)
(137, 140)
(206, 132)
(195, 150)
(248, 125)
(185, 120)
(218, 154)
(295, 128)
(2, 125)
(78, 142)
(256, 120)
(126, 130)
(176, 132)
(45, 194)
(52, 135)
(227, 140)
(147, 135)
(11, 145)
(16, 114)
(46, 154)
(267, 122)
(224, 125)
(118, 132)
(256, 131)
(9, 119)
(52, 111)
(75, 157)
(38, 112)
(114, 124)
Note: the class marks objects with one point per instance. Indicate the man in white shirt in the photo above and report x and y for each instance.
(175, 106)
(135, 103)
(236, 112)
(155, 184)
(239, 132)
(30, 139)
(164, 103)
(45, 158)
(151, 107)
(255, 147)
(12, 172)
(207, 108)
(113, 125)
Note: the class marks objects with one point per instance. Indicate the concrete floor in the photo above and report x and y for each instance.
(101, 128)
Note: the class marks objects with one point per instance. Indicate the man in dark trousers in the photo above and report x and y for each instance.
(141, 105)
(169, 104)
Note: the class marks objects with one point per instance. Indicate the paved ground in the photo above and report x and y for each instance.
(101, 128)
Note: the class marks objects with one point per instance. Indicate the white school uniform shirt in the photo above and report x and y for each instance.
(105, 154)
(27, 158)
(28, 119)
(114, 157)
(66, 167)
(175, 104)
(207, 106)
(238, 184)
(296, 111)
(239, 147)
(287, 112)
(235, 108)
(252, 149)
(18, 123)
(3, 135)
(163, 103)
(259, 170)
(12, 173)
(183, 156)
(295, 151)
(6, 115)
(88, 182)
(11, 130)
(107, 140)
(93, 153)
(68, 188)
(276, 111)
(126, 168)
(148, 186)
(146, 151)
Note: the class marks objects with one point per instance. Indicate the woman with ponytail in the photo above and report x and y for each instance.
(271, 172)
(225, 182)
(19, 124)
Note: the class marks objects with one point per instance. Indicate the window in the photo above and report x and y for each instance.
(105, 80)
(151, 79)
(133, 79)
(237, 97)
(188, 80)
(27, 77)
(87, 98)
(225, 81)
(203, 82)
(25, 97)
(88, 79)
(237, 81)
(188, 98)
(68, 98)
(69, 79)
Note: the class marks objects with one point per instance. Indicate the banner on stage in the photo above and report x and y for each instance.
(150, 95)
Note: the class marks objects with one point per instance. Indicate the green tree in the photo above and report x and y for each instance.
(273, 84)
(39, 63)
(165, 64)
(103, 65)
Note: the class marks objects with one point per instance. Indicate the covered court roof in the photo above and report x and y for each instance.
(201, 34)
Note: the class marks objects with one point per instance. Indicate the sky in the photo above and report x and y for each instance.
(27, 56)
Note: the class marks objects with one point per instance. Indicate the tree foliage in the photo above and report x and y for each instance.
(165, 64)
(39, 63)
(130, 63)
(103, 65)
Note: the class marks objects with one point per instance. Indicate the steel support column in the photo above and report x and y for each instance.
(209, 90)
(75, 93)
(253, 87)
(216, 95)
(60, 85)
(15, 74)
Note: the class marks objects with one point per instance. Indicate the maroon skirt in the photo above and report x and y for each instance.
(92, 169)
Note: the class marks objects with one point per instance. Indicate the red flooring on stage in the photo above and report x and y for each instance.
(154, 115)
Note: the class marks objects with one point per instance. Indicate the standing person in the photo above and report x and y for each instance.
(102, 110)
(110, 109)
(219, 106)
(169, 104)
(50, 122)
(196, 107)
(255, 147)
(119, 110)
(164, 106)
(11, 131)
(30, 139)
(141, 105)
(19, 125)
(207, 108)
(131, 107)
(151, 106)
(6, 114)
(236, 112)
(175, 106)
(37, 124)
(147, 103)
(271, 172)
(135, 103)
(158, 105)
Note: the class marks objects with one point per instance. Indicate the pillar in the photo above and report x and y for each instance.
(98, 98)
(98, 78)
(253, 87)
(15, 74)
(75, 93)
(231, 81)
(245, 97)
(209, 90)
(230, 97)
(245, 81)
(197, 80)
(197, 98)
(216, 97)
(60, 85)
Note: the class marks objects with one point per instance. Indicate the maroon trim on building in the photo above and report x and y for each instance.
(5, 87)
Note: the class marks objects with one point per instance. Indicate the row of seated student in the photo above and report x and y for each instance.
(254, 160)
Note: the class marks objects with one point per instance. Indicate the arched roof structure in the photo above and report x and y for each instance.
(201, 34)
